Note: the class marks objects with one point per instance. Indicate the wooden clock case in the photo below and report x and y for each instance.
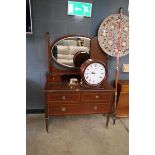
(61, 99)
(82, 69)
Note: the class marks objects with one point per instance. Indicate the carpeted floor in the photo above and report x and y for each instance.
(77, 135)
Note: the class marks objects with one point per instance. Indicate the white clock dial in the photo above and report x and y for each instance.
(94, 73)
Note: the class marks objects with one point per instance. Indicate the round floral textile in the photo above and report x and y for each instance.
(108, 35)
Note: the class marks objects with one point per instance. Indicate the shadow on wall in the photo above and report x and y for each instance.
(34, 95)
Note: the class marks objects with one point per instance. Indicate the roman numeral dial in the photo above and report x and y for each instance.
(94, 72)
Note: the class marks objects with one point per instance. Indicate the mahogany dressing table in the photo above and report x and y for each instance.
(62, 99)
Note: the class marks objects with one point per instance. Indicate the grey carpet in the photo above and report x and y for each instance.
(76, 135)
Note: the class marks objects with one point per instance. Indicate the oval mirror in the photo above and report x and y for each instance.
(63, 50)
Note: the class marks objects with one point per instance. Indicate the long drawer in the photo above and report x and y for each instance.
(77, 109)
(63, 97)
(104, 98)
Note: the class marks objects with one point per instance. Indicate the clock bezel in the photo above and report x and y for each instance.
(85, 65)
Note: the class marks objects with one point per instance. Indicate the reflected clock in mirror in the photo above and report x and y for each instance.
(64, 49)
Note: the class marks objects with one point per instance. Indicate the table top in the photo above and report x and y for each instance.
(57, 87)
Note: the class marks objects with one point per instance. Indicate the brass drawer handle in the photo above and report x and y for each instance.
(96, 96)
(95, 107)
(63, 109)
(63, 97)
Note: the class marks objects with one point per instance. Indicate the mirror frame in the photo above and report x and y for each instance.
(57, 40)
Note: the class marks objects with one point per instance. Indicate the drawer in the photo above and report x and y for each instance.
(97, 97)
(125, 89)
(63, 97)
(64, 109)
(123, 112)
(123, 105)
(77, 109)
(97, 108)
(54, 78)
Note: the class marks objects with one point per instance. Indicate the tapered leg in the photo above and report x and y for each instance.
(107, 121)
(46, 121)
(114, 119)
(46, 112)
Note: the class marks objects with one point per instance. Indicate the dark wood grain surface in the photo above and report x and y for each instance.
(123, 99)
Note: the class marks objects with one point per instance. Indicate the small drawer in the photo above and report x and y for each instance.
(96, 97)
(125, 89)
(63, 109)
(54, 78)
(63, 97)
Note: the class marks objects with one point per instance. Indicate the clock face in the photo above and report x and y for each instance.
(94, 73)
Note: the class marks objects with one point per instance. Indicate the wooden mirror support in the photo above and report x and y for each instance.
(96, 52)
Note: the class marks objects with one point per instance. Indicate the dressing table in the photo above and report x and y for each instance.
(61, 98)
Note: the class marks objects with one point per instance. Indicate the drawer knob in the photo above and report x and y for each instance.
(53, 78)
(63, 97)
(95, 107)
(63, 109)
(97, 96)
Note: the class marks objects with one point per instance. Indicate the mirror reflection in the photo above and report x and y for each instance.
(64, 50)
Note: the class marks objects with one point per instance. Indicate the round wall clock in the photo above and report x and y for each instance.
(108, 35)
(93, 73)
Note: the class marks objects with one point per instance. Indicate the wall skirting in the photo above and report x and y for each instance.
(34, 111)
